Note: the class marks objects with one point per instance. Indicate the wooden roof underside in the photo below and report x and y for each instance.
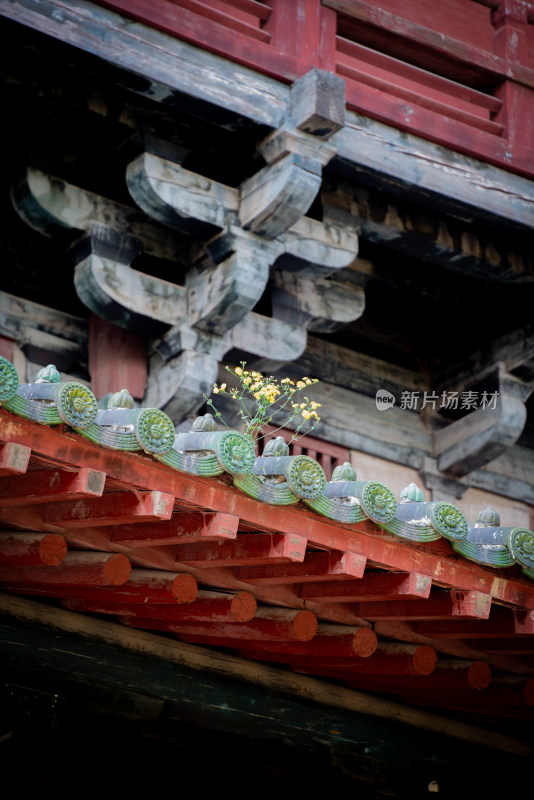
(280, 585)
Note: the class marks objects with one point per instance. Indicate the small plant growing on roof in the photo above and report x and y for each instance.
(262, 399)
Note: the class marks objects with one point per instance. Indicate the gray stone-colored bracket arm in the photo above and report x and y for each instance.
(400, 160)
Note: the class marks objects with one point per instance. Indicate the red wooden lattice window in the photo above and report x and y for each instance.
(398, 51)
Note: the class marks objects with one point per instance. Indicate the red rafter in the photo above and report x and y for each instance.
(14, 458)
(111, 509)
(31, 549)
(269, 624)
(248, 548)
(373, 586)
(316, 566)
(183, 527)
(76, 569)
(207, 607)
(50, 485)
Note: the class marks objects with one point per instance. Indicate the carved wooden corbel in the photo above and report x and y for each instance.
(234, 236)
(108, 285)
(229, 279)
(53, 207)
(183, 200)
(275, 198)
(323, 305)
(478, 438)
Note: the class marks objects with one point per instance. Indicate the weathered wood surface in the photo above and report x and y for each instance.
(382, 157)
(316, 566)
(513, 350)
(360, 372)
(274, 340)
(322, 304)
(278, 196)
(44, 348)
(319, 247)
(351, 419)
(248, 549)
(179, 384)
(206, 607)
(505, 622)
(31, 549)
(390, 658)
(110, 509)
(418, 232)
(127, 297)
(440, 605)
(168, 65)
(373, 586)
(482, 436)
(45, 486)
(376, 150)
(51, 205)
(330, 641)
(76, 569)
(220, 294)
(179, 198)
(469, 44)
(79, 634)
(268, 624)
(144, 586)
(128, 367)
(317, 103)
(185, 526)
(14, 459)
(18, 314)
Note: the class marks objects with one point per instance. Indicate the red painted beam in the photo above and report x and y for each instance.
(315, 567)
(111, 509)
(248, 548)
(76, 569)
(14, 458)
(184, 527)
(207, 607)
(331, 641)
(502, 623)
(144, 586)
(392, 658)
(269, 624)
(375, 586)
(440, 605)
(31, 549)
(51, 485)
